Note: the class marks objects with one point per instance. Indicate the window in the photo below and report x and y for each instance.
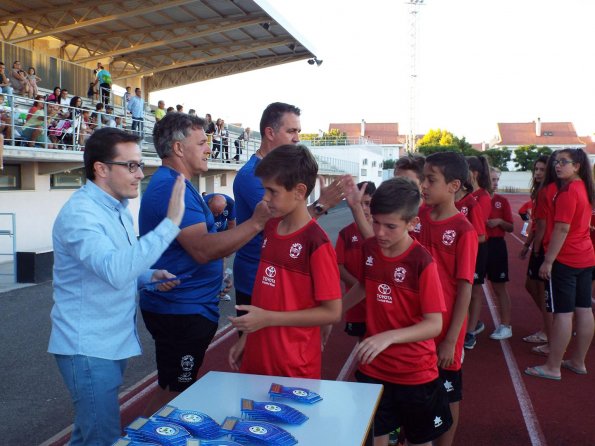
(223, 179)
(365, 162)
(380, 173)
(68, 180)
(10, 177)
(373, 163)
(364, 173)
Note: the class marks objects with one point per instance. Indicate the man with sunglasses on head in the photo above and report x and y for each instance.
(99, 264)
(184, 321)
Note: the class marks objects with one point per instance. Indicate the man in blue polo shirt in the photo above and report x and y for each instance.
(223, 208)
(184, 321)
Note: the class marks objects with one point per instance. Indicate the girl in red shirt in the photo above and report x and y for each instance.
(533, 284)
(568, 264)
(479, 175)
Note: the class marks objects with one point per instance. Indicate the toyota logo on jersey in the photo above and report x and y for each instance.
(384, 294)
(268, 278)
(270, 271)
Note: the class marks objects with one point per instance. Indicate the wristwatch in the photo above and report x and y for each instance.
(319, 208)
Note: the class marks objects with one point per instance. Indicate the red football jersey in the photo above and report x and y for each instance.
(545, 209)
(452, 242)
(500, 209)
(529, 207)
(485, 202)
(349, 254)
(470, 208)
(399, 291)
(295, 272)
(572, 206)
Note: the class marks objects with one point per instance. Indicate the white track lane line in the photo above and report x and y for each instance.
(531, 421)
(347, 366)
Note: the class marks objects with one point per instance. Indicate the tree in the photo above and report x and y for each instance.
(334, 137)
(498, 157)
(525, 156)
(437, 140)
(388, 164)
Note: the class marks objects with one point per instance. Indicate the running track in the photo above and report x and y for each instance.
(501, 405)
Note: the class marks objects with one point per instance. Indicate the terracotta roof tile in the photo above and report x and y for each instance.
(589, 144)
(524, 133)
(383, 133)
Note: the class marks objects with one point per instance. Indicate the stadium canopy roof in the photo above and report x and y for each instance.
(167, 42)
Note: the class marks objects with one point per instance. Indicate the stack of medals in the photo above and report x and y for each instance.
(197, 423)
(273, 412)
(157, 431)
(298, 394)
(257, 433)
(197, 442)
(130, 442)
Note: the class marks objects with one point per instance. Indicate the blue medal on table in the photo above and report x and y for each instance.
(271, 411)
(258, 433)
(130, 442)
(197, 442)
(197, 423)
(298, 394)
(163, 433)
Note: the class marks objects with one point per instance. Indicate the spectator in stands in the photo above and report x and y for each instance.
(63, 98)
(109, 116)
(98, 69)
(192, 112)
(160, 112)
(120, 123)
(55, 96)
(91, 91)
(104, 79)
(34, 129)
(209, 129)
(217, 139)
(97, 117)
(5, 121)
(240, 142)
(37, 104)
(20, 83)
(180, 108)
(86, 128)
(33, 79)
(224, 142)
(127, 95)
(5, 83)
(136, 107)
(1, 152)
(170, 110)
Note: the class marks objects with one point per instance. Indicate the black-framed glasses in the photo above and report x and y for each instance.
(563, 162)
(133, 166)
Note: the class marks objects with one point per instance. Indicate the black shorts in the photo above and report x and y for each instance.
(453, 384)
(568, 288)
(242, 299)
(481, 263)
(181, 341)
(497, 264)
(355, 329)
(422, 410)
(535, 261)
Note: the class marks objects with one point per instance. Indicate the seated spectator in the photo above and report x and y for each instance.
(33, 79)
(19, 81)
(160, 112)
(1, 152)
(5, 83)
(180, 108)
(110, 120)
(192, 112)
(63, 98)
(34, 129)
(120, 123)
(37, 104)
(5, 121)
(55, 96)
(97, 117)
(84, 129)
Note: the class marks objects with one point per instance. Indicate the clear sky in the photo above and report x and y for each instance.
(479, 62)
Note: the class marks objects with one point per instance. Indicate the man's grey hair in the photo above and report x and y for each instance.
(171, 128)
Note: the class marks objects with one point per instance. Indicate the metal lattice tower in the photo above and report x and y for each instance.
(414, 7)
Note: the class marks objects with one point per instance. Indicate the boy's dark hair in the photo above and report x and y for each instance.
(289, 165)
(481, 165)
(451, 164)
(101, 146)
(415, 163)
(271, 116)
(370, 187)
(399, 195)
(171, 128)
(579, 156)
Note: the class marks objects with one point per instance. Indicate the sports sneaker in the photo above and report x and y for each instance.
(478, 328)
(393, 437)
(470, 341)
(502, 332)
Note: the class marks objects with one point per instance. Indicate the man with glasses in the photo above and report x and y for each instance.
(98, 266)
(184, 321)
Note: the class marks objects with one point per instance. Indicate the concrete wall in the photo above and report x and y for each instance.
(519, 181)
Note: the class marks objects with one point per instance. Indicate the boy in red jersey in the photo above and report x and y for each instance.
(404, 305)
(297, 287)
(349, 257)
(452, 241)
